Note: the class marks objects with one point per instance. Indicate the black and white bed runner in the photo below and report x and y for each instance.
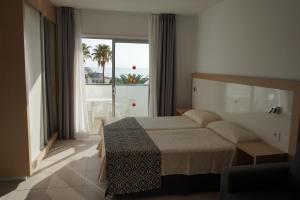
(132, 158)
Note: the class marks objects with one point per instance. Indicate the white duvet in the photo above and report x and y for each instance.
(192, 151)
(186, 152)
(162, 123)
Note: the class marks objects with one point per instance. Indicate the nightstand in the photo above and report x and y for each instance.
(180, 111)
(257, 153)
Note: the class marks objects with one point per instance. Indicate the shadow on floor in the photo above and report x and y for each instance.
(63, 173)
(8, 186)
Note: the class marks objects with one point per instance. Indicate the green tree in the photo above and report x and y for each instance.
(132, 79)
(102, 54)
(86, 51)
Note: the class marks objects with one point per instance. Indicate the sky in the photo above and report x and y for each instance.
(127, 55)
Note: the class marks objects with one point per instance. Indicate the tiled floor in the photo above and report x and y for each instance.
(69, 172)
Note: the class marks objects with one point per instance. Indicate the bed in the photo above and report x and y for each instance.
(139, 153)
(188, 151)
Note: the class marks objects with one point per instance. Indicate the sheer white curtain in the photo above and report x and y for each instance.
(80, 114)
(34, 79)
(154, 62)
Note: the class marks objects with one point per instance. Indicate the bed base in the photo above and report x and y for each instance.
(182, 185)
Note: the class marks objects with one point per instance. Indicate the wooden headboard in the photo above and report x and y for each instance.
(289, 86)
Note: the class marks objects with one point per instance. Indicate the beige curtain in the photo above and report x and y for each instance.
(65, 74)
(162, 37)
(166, 68)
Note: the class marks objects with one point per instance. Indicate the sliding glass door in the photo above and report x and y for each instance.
(97, 58)
(116, 79)
(131, 78)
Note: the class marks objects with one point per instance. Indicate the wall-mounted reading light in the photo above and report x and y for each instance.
(275, 110)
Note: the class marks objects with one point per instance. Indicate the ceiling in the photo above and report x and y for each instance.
(185, 7)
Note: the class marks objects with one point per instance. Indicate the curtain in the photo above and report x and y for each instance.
(35, 85)
(154, 62)
(162, 64)
(44, 137)
(80, 114)
(50, 76)
(65, 72)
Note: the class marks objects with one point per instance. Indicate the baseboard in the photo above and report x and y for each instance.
(43, 153)
(21, 178)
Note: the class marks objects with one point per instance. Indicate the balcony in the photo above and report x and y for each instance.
(131, 100)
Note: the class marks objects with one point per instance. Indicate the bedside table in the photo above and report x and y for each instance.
(257, 153)
(180, 111)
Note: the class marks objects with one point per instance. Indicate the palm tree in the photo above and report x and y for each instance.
(102, 54)
(86, 51)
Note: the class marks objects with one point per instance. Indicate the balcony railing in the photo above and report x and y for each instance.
(131, 100)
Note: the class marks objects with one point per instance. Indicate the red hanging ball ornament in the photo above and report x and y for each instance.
(133, 67)
(133, 104)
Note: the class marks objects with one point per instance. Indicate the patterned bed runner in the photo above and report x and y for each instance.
(132, 158)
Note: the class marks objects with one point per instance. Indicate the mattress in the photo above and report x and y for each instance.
(161, 123)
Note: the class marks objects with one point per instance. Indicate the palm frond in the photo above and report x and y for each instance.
(132, 79)
(86, 51)
(102, 54)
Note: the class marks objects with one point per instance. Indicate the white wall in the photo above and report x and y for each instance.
(135, 25)
(114, 24)
(186, 27)
(250, 37)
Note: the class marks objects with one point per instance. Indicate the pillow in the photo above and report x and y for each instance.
(202, 117)
(232, 132)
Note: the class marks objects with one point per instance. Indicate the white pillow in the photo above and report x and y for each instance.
(233, 132)
(202, 117)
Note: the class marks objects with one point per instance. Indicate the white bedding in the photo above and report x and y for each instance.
(192, 151)
(161, 123)
(186, 152)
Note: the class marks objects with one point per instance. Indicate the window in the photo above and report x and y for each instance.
(117, 78)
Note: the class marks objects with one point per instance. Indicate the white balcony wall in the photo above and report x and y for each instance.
(98, 91)
(131, 101)
(128, 95)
